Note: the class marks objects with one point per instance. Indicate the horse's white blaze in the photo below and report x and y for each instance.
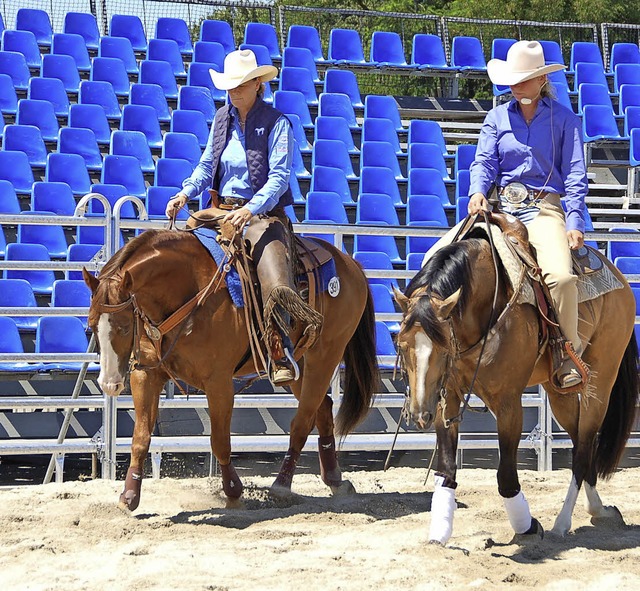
(110, 380)
(423, 349)
(563, 521)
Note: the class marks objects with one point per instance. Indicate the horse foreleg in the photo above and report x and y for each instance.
(145, 389)
(220, 401)
(443, 500)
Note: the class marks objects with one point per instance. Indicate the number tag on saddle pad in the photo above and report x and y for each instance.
(333, 287)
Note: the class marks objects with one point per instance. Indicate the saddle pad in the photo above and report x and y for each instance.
(595, 276)
(316, 259)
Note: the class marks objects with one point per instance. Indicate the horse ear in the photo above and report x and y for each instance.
(125, 285)
(91, 280)
(443, 308)
(401, 299)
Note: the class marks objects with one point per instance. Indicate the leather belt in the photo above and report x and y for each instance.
(531, 198)
(232, 203)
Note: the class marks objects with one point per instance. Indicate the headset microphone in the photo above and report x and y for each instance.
(526, 100)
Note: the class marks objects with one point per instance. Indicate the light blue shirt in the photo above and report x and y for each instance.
(550, 148)
(234, 179)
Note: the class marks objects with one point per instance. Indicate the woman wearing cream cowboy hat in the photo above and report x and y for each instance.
(247, 164)
(531, 148)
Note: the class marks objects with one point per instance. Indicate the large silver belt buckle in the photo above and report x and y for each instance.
(515, 193)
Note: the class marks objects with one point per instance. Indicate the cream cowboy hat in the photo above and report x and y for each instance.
(239, 67)
(525, 60)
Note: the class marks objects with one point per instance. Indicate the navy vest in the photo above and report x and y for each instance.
(259, 124)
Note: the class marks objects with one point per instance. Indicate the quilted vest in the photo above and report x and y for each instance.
(260, 121)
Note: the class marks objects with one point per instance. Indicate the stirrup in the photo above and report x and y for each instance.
(289, 374)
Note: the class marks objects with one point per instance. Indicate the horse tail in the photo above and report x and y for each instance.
(618, 421)
(361, 372)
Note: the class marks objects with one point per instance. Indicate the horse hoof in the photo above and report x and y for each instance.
(129, 501)
(280, 491)
(534, 533)
(345, 488)
(611, 517)
(234, 503)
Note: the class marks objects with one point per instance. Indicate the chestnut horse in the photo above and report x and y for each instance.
(158, 272)
(447, 312)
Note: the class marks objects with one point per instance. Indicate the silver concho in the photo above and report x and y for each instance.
(152, 332)
(515, 193)
(334, 287)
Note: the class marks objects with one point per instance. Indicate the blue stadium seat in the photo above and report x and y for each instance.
(426, 208)
(2, 27)
(427, 53)
(300, 57)
(119, 48)
(414, 261)
(499, 49)
(79, 140)
(631, 119)
(170, 172)
(156, 202)
(336, 104)
(177, 30)
(552, 52)
(374, 208)
(27, 139)
(463, 182)
(198, 75)
(381, 130)
(345, 47)
(194, 122)
(593, 94)
(8, 96)
(617, 248)
(152, 95)
(124, 170)
(14, 65)
(64, 68)
(38, 22)
(129, 26)
(159, 72)
(372, 261)
(70, 293)
(97, 92)
(289, 101)
(112, 192)
(8, 199)
(3, 243)
(51, 237)
(15, 168)
(294, 186)
(112, 70)
(263, 57)
(300, 80)
(17, 293)
(467, 54)
(634, 147)
(80, 252)
(335, 128)
(93, 235)
(62, 334)
(626, 74)
(54, 197)
(462, 206)
(325, 178)
(599, 123)
(299, 134)
(383, 107)
(181, 145)
(387, 50)
(428, 181)
(297, 164)
(167, 50)
(263, 34)
(376, 153)
(629, 96)
(332, 153)
(627, 265)
(561, 86)
(23, 42)
(219, 31)
(377, 179)
(133, 143)
(210, 52)
(344, 82)
(75, 46)
(85, 25)
(93, 117)
(41, 114)
(623, 53)
(70, 169)
(585, 51)
(590, 73)
(52, 90)
(325, 207)
(145, 119)
(197, 98)
(464, 157)
(10, 342)
(421, 244)
(307, 37)
(383, 304)
(376, 243)
(384, 345)
(428, 156)
(41, 281)
(424, 131)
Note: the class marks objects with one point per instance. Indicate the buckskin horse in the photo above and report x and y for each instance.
(161, 271)
(449, 333)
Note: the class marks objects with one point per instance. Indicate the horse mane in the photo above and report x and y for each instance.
(448, 270)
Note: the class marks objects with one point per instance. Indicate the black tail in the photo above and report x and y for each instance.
(621, 413)
(361, 372)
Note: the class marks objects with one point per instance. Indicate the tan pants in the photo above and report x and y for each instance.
(548, 234)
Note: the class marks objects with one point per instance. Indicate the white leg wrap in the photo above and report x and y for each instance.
(518, 513)
(443, 504)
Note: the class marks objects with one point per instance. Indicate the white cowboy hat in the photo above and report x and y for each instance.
(525, 60)
(240, 66)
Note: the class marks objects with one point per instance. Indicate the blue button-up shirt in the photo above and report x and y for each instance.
(546, 155)
(234, 179)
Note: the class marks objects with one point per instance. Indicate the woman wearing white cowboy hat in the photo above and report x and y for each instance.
(246, 165)
(531, 148)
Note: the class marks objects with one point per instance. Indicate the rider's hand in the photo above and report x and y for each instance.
(238, 217)
(477, 203)
(575, 238)
(175, 204)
